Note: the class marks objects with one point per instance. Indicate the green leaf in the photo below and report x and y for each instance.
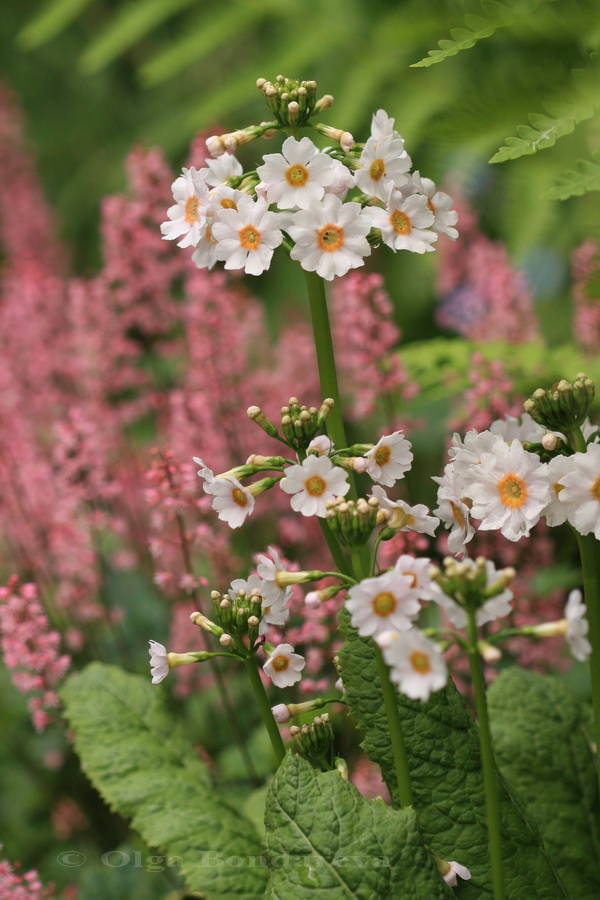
(145, 768)
(586, 177)
(55, 17)
(543, 747)
(444, 757)
(545, 130)
(325, 840)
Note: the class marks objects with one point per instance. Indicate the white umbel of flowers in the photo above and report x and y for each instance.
(312, 484)
(247, 236)
(188, 215)
(330, 237)
(389, 459)
(416, 663)
(297, 176)
(284, 667)
(581, 491)
(159, 666)
(383, 603)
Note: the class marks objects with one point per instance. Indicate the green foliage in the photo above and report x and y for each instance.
(443, 751)
(585, 177)
(366, 850)
(144, 767)
(500, 15)
(55, 16)
(543, 747)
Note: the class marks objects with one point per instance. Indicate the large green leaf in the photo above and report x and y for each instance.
(146, 769)
(325, 840)
(444, 759)
(543, 747)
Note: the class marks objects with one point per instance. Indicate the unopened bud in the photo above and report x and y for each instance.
(550, 442)
(226, 640)
(281, 714)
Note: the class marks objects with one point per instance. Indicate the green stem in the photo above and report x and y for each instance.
(390, 701)
(589, 551)
(490, 777)
(265, 708)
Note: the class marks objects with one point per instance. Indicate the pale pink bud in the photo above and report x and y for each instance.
(281, 713)
(312, 600)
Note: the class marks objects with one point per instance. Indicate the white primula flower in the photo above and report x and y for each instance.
(321, 445)
(389, 459)
(313, 483)
(405, 517)
(188, 216)
(249, 584)
(284, 666)
(405, 223)
(494, 608)
(454, 869)
(557, 512)
(330, 237)
(509, 488)
(342, 181)
(524, 429)
(205, 254)
(417, 569)
(159, 665)
(204, 472)
(383, 603)
(268, 569)
(247, 236)
(440, 205)
(383, 165)
(581, 491)
(467, 452)
(222, 169)
(577, 626)
(231, 500)
(416, 663)
(297, 176)
(453, 512)
(382, 125)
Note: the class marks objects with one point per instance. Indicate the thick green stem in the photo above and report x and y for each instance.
(490, 776)
(390, 700)
(265, 708)
(589, 551)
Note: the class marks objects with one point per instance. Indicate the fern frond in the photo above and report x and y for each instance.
(586, 177)
(479, 27)
(55, 16)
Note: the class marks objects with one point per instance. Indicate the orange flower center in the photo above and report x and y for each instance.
(315, 485)
(413, 578)
(458, 516)
(281, 663)
(512, 490)
(249, 237)
(330, 238)
(384, 604)
(595, 489)
(431, 206)
(208, 235)
(377, 169)
(557, 487)
(420, 662)
(227, 203)
(400, 222)
(191, 209)
(239, 497)
(297, 175)
(382, 455)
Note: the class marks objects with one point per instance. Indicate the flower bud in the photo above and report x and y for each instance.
(281, 714)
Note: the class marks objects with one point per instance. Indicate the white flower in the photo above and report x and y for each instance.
(509, 488)
(247, 585)
(268, 569)
(558, 511)
(330, 237)
(321, 445)
(342, 181)
(277, 614)
(582, 491)
(159, 666)
(453, 512)
(247, 236)
(383, 603)
(494, 608)
(313, 483)
(577, 626)
(455, 869)
(467, 452)
(188, 216)
(417, 569)
(405, 223)
(205, 254)
(204, 472)
(284, 666)
(222, 169)
(440, 205)
(296, 176)
(524, 429)
(405, 517)
(383, 165)
(416, 663)
(231, 500)
(389, 459)
(381, 125)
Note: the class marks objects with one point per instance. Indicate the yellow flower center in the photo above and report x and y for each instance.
(249, 237)
(595, 489)
(384, 604)
(227, 203)
(382, 455)
(457, 515)
(281, 663)
(420, 662)
(315, 485)
(239, 497)
(377, 169)
(208, 235)
(191, 209)
(297, 175)
(512, 490)
(330, 238)
(400, 222)
(431, 206)
(557, 487)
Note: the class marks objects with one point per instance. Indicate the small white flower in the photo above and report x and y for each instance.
(330, 237)
(383, 603)
(557, 512)
(188, 216)
(297, 176)
(312, 484)
(343, 179)
(321, 445)
(268, 569)
(494, 608)
(417, 569)
(159, 666)
(405, 517)
(453, 512)
(440, 205)
(284, 666)
(467, 452)
(455, 869)
(231, 500)
(577, 626)
(381, 125)
(247, 236)
(581, 491)
(383, 164)
(509, 488)
(389, 459)
(416, 663)
(405, 223)
(524, 429)
(222, 169)
(275, 615)
(205, 254)
(204, 472)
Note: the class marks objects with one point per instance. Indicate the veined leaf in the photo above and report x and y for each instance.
(543, 747)
(586, 177)
(144, 767)
(55, 16)
(479, 27)
(325, 841)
